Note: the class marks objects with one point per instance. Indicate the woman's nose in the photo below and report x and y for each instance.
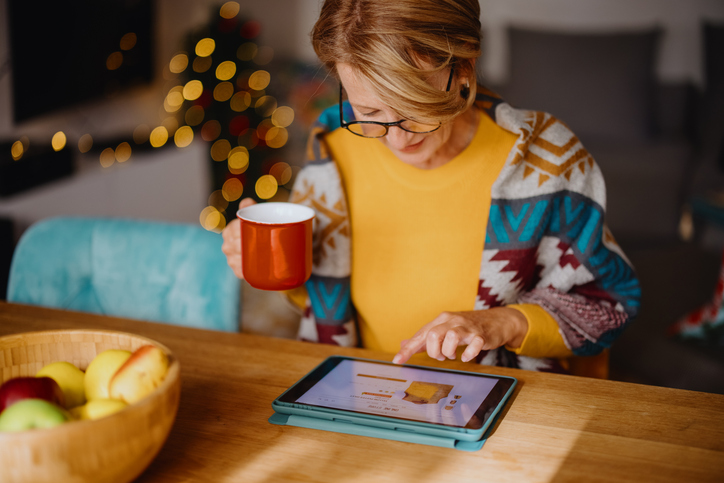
(398, 138)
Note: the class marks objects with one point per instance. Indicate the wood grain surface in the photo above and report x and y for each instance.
(556, 428)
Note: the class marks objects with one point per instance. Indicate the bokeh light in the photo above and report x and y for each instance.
(238, 160)
(202, 64)
(158, 136)
(265, 106)
(229, 10)
(205, 47)
(194, 115)
(211, 219)
(226, 70)
(218, 201)
(283, 116)
(123, 152)
(174, 99)
(128, 41)
(141, 134)
(58, 141)
(114, 61)
(247, 51)
(282, 172)
(107, 157)
(183, 136)
(240, 101)
(210, 130)
(220, 150)
(249, 139)
(276, 137)
(266, 186)
(17, 150)
(223, 91)
(192, 90)
(259, 80)
(85, 143)
(178, 63)
(232, 189)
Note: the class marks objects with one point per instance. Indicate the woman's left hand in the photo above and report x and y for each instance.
(478, 329)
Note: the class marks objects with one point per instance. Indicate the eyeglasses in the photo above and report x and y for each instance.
(374, 129)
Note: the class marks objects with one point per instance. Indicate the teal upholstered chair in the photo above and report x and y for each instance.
(162, 272)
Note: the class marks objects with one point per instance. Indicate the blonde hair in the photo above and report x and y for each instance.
(397, 44)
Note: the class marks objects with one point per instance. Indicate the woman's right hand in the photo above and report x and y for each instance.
(232, 241)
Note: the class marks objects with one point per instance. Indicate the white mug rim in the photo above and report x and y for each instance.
(301, 213)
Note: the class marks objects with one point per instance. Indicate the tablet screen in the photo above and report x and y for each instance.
(429, 395)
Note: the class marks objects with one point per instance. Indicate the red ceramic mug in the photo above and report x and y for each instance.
(276, 245)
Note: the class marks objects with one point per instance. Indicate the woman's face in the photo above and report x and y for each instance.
(424, 151)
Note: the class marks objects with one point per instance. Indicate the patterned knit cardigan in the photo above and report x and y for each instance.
(546, 241)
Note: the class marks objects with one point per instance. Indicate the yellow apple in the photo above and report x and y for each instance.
(101, 370)
(139, 375)
(98, 408)
(70, 379)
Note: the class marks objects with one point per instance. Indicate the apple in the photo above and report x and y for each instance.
(19, 388)
(98, 408)
(100, 371)
(32, 414)
(70, 379)
(139, 375)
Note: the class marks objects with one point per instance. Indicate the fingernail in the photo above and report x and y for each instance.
(396, 359)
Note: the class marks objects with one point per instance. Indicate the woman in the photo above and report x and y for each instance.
(449, 222)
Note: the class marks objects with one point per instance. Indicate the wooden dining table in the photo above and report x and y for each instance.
(556, 427)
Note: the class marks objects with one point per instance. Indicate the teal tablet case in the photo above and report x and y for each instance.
(383, 433)
(327, 421)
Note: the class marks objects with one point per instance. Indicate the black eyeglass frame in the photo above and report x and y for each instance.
(386, 125)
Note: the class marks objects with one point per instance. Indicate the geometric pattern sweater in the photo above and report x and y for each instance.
(546, 241)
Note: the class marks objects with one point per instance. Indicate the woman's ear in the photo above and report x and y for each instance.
(465, 76)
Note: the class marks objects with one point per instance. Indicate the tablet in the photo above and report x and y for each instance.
(429, 401)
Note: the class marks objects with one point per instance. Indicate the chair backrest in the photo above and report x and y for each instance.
(162, 272)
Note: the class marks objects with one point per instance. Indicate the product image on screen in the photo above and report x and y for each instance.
(448, 398)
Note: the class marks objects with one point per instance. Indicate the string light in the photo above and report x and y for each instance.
(123, 152)
(266, 186)
(229, 10)
(114, 61)
(226, 70)
(128, 41)
(158, 137)
(178, 63)
(85, 143)
(107, 157)
(58, 141)
(17, 150)
(232, 189)
(184, 136)
(205, 47)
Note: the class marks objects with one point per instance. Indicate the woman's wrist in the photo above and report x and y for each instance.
(519, 327)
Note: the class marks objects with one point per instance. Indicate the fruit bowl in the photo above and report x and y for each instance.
(116, 448)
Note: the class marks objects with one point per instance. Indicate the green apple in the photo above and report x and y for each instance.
(32, 414)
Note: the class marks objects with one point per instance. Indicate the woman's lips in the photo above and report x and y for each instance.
(412, 147)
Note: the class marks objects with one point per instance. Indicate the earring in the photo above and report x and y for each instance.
(465, 91)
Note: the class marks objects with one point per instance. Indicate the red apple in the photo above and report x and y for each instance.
(19, 388)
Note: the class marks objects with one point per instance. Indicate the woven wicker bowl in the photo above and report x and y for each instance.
(116, 448)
